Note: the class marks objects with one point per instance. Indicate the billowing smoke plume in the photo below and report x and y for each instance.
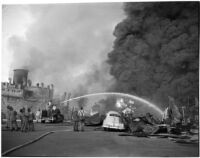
(67, 45)
(156, 53)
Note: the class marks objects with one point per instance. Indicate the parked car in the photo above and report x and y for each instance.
(113, 120)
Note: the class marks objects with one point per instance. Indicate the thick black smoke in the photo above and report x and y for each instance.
(156, 51)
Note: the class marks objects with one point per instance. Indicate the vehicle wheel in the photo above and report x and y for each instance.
(105, 129)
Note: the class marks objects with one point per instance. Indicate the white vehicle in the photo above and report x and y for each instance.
(113, 120)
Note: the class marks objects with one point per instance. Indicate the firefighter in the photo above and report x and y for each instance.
(49, 109)
(8, 117)
(30, 120)
(81, 115)
(38, 115)
(75, 119)
(21, 117)
(13, 119)
(24, 120)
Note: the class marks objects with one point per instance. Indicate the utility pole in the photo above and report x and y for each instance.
(183, 111)
(68, 108)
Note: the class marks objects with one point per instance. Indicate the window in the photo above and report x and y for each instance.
(116, 115)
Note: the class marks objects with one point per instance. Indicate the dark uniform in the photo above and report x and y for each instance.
(21, 117)
(81, 115)
(24, 121)
(8, 117)
(13, 120)
(76, 120)
(30, 120)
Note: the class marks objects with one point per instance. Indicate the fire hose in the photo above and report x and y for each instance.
(30, 142)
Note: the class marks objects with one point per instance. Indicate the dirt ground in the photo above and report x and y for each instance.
(92, 143)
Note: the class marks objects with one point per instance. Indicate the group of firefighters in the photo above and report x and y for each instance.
(26, 116)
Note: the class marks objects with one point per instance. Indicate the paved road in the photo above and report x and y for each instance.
(100, 143)
(12, 139)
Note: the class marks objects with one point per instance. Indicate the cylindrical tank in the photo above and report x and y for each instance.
(38, 85)
(20, 76)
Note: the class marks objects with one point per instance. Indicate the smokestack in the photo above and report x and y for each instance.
(29, 83)
(20, 76)
(38, 85)
(52, 86)
(42, 85)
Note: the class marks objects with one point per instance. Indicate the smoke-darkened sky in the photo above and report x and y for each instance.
(156, 51)
(63, 44)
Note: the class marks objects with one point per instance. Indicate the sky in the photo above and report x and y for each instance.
(15, 20)
(62, 44)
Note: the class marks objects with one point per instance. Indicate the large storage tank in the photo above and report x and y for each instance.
(20, 77)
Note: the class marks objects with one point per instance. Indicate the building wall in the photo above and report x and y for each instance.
(38, 93)
(10, 90)
(18, 103)
(29, 97)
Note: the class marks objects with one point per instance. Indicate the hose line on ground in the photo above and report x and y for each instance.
(30, 142)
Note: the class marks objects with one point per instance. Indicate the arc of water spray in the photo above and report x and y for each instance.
(122, 94)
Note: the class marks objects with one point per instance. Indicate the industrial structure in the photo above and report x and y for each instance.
(21, 93)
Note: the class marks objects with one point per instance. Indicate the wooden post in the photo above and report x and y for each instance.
(183, 114)
(68, 108)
